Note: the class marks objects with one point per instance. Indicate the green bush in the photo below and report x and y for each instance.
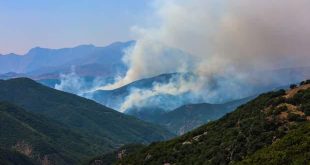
(276, 101)
(295, 117)
(292, 86)
(293, 148)
(306, 109)
(305, 82)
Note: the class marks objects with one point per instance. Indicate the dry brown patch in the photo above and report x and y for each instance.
(23, 148)
(267, 109)
(283, 115)
(300, 113)
(292, 92)
(269, 118)
(292, 108)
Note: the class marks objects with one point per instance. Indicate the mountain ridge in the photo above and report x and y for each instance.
(55, 60)
(107, 128)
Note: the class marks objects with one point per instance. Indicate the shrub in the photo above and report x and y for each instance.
(278, 93)
(306, 109)
(279, 110)
(298, 98)
(295, 117)
(305, 82)
(276, 101)
(302, 83)
(292, 86)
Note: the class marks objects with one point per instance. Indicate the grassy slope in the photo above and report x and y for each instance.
(235, 136)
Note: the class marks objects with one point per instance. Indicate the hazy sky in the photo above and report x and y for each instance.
(64, 23)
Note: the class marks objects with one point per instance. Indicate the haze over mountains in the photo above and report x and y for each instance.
(88, 60)
(85, 70)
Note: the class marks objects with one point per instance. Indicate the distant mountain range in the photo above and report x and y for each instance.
(44, 63)
(50, 124)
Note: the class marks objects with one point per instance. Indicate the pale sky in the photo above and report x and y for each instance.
(25, 24)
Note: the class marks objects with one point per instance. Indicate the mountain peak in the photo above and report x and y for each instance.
(10, 54)
(20, 82)
(84, 46)
(36, 50)
(22, 79)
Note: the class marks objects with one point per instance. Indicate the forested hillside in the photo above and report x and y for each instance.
(64, 127)
(270, 129)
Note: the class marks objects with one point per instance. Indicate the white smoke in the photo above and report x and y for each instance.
(74, 83)
(227, 42)
(71, 83)
(160, 94)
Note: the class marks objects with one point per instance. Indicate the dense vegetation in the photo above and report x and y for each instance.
(8, 157)
(71, 126)
(187, 117)
(269, 123)
(293, 148)
(40, 138)
(110, 158)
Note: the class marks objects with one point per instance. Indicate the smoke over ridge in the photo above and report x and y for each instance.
(73, 83)
(228, 44)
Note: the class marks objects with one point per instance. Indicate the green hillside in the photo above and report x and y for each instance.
(271, 122)
(110, 158)
(8, 157)
(38, 137)
(293, 148)
(188, 117)
(90, 128)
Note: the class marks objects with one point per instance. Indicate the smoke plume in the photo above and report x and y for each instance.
(228, 45)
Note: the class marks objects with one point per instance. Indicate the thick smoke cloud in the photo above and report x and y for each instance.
(228, 45)
(166, 96)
